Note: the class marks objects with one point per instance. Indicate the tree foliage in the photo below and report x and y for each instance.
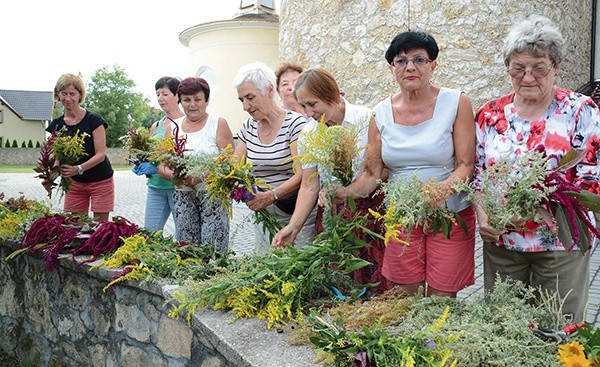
(111, 94)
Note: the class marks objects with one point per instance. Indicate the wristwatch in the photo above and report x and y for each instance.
(79, 170)
(275, 196)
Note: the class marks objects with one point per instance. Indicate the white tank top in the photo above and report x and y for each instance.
(426, 148)
(203, 140)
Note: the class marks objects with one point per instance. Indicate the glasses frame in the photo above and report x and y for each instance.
(416, 62)
(537, 72)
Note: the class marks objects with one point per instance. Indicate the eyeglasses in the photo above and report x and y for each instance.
(417, 61)
(537, 72)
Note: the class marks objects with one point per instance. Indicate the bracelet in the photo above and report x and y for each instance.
(275, 196)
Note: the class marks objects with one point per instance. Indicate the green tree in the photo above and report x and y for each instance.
(152, 115)
(7, 144)
(23, 144)
(15, 144)
(111, 94)
(30, 144)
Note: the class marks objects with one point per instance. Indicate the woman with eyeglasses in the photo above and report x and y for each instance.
(537, 115)
(427, 130)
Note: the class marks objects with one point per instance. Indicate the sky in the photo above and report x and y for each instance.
(44, 39)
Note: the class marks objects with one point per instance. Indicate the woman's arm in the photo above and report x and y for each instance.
(366, 183)
(307, 198)
(464, 140)
(224, 135)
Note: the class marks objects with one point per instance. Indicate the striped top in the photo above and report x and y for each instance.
(272, 162)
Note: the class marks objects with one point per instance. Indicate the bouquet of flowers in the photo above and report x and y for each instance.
(67, 149)
(335, 149)
(170, 151)
(525, 192)
(46, 168)
(409, 204)
(139, 144)
(227, 178)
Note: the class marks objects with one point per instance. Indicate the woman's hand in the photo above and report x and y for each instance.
(68, 170)
(286, 235)
(436, 193)
(488, 233)
(261, 200)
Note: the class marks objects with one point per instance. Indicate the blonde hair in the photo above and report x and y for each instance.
(67, 80)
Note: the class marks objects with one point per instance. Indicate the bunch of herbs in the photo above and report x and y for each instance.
(279, 286)
(409, 205)
(68, 149)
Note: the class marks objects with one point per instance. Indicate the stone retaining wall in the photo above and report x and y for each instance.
(67, 320)
(29, 156)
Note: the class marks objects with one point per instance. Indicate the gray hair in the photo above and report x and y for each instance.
(257, 73)
(537, 36)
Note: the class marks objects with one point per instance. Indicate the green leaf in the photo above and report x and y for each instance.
(462, 223)
(571, 159)
(564, 229)
(435, 226)
(446, 226)
(588, 199)
(355, 264)
(584, 236)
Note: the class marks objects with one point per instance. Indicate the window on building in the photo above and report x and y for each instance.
(1, 116)
(249, 3)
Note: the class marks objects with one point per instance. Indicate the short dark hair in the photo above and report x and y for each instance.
(169, 82)
(191, 86)
(410, 40)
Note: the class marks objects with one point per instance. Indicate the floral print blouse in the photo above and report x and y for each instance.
(572, 121)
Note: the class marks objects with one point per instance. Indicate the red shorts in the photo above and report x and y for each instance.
(101, 196)
(447, 265)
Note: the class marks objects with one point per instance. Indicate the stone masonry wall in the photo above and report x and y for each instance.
(349, 38)
(52, 320)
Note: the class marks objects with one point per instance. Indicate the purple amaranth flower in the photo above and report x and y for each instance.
(428, 343)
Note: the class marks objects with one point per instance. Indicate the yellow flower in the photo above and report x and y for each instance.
(574, 360)
(572, 348)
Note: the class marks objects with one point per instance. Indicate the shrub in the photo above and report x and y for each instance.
(29, 144)
(7, 144)
(37, 144)
(14, 144)
(23, 145)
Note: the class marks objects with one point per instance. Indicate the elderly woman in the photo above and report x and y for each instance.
(200, 220)
(318, 93)
(265, 139)
(286, 75)
(537, 113)
(92, 176)
(426, 130)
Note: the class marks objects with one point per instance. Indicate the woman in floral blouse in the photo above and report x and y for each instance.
(538, 115)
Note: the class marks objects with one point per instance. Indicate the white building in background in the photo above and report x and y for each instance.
(218, 49)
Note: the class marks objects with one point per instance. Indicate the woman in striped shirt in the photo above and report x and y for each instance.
(265, 139)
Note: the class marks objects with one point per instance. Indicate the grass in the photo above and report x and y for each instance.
(29, 169)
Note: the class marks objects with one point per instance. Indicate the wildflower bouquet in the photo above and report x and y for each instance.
(170, 151)
(68, 149)
(376, 346)
(144, 256)
(409, 204)
(334, 149)
(46, 168)
(139, 144)
(526, 192)
(280, 285)
(228, 178)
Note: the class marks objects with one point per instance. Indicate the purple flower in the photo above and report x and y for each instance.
(428, 343)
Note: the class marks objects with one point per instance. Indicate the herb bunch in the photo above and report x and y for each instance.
(46, 166)
(408, 206)
(17, 214)
(146, 257)
(526, 191)
(139, 143)
(334, 149)
(230, 178)
(476, 332)
(68, 149)
(280, 285)
(170, 151)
